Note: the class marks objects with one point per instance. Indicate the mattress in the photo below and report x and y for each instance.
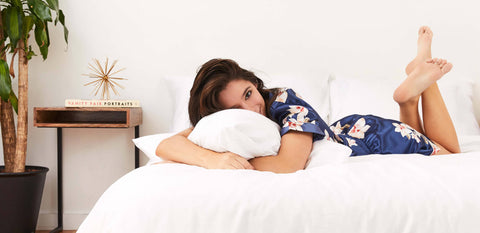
(374, 193)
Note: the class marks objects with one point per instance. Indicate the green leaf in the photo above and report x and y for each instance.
(40, 9)
(13, 19)
(53, 4)
(30, 53)
(27, 25)
(62, 17)
(5, 81)
(13, 101)
(5, 49)
(41, 38)
(47, 33)
(2, 41)
(62, 21)
(17, 3)
(4, 21)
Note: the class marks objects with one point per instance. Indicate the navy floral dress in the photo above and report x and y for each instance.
(364, 134)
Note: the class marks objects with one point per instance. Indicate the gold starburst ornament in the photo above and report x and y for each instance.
(104, 78)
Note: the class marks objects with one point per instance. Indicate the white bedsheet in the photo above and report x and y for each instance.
(375, 193)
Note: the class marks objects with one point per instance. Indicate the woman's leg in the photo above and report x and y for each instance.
(437, 123)
(424, 48)
(409, 109)
(436, 120)
(409, 114)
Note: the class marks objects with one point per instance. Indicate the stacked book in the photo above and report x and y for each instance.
(102, 103)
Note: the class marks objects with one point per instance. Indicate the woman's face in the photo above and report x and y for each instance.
(242, 94)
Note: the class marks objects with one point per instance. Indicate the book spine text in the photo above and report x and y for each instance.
(102, 103)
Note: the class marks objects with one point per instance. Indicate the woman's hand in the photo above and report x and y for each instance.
(227, 160)
(179, 149)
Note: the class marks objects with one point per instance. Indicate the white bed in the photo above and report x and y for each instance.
(374, 193)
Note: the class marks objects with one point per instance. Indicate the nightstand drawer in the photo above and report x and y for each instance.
(87, 117)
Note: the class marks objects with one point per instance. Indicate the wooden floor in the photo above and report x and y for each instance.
(65, 231)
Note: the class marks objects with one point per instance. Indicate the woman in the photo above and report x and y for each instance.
(222, 84)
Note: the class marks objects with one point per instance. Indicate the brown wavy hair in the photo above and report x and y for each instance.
(211, 79)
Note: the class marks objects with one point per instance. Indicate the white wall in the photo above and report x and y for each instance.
(157, 38)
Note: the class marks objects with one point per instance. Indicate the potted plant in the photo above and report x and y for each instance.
(18, 18)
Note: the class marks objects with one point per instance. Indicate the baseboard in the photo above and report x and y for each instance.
(71, 221)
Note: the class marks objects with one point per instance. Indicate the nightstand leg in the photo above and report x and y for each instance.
(59, 182)
(137, 153)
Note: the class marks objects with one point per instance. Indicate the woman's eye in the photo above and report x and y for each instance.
(248, 94)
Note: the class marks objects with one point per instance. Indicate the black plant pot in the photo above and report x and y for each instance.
(20, 198)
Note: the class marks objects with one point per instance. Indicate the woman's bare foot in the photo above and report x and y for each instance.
(424, 48)
(424, 75)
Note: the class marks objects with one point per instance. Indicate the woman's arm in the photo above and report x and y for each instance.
(179, 149)
(295, 148)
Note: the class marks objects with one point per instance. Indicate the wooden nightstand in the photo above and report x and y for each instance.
(61, 117)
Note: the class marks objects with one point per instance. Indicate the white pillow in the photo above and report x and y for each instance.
(148, 145)
(250, 135)
(179, 88)
(313, 89)
(350, 95)
(240, 131)
(457, 92)
(327, 152)
(469, 143)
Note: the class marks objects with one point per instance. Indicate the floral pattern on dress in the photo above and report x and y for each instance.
(282, 95)
(369, 134)
(364, 134)
(296, 118)
(407, 131)
(337, 129)
(410, 133)
(351, 142)
(327, 137)
(294, 125)
(291, 112)
(357, 131)
(300, 111)
(436, 149)
(334, 138)
(359, 128)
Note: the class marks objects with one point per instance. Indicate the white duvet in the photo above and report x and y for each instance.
(375, 193)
